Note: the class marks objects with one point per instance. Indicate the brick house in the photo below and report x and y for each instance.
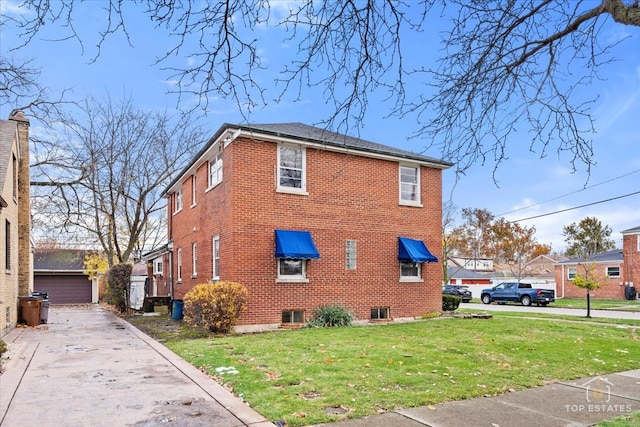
(615, 270)
(15, 219)
(304, 217)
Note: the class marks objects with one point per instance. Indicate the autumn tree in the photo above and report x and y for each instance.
(505, 66)
(100, 172)
(515, 245)
(587, 237)
(587, 280)
(472, 238)
(448, 219)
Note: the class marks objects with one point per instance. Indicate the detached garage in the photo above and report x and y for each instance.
(60, 272)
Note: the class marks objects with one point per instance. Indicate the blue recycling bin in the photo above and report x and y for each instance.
(176, 309)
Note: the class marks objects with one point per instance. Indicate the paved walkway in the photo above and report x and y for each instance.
(87, 367)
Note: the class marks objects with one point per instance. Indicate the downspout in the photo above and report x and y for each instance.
(563, 268)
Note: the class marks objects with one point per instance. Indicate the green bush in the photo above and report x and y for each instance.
(450, 302)
(118, 279)
(327, 316)
(215, 306)
(3, 347)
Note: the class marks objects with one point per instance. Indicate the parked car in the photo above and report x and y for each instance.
(459, 291)
(517, 292)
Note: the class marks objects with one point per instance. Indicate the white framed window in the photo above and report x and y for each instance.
(292, 269)
(571, 273)
(215, 171)
(194, 260)
(638, 242)
(178, 200)
(409, 270)
(409, 185)
(157, 266)
(292, 165)
(179, 266)
(216, 258)
(194, 190)
(613, 272)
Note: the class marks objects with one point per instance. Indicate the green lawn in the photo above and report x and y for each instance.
(320, 375)
(606, 304)
(596, 304)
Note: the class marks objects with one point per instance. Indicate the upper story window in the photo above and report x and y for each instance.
(613, 271)
(194, 190)
(410, 185)
(571, 273)
(178, 199)
(292, 165)
(157, 266)
(215, 171)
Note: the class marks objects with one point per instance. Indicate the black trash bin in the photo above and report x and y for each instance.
(44, 307)
(630, 292)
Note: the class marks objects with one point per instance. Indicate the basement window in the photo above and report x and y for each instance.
(379, 313)
(293, 316)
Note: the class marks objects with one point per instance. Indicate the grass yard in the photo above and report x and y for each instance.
(313, 376)
(598, 304)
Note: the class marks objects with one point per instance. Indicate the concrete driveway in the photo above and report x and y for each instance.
(87, 367)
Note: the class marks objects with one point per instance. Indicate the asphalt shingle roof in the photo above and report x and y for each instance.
(609, 256)
(312, 134)
(59, 260)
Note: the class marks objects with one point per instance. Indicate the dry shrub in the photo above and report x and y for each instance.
(215, 306)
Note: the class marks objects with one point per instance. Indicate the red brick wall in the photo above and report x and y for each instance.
(632, 259)
(350, 197)
(609, 287)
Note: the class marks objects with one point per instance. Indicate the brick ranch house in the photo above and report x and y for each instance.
(305, 217)
(615, 270)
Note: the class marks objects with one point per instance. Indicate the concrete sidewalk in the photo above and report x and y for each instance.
(573, 403)
(87, 367)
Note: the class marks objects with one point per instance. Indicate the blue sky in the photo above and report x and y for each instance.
(527, 185)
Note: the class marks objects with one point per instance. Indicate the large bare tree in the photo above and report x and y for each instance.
(505, 66)
(100, 170)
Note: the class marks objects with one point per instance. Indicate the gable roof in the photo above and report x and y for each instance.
(609, 256)
(59, 260)
(311, 135)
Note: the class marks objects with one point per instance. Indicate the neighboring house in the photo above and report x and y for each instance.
(15, 220)
(473, 264)
(61, 273)
(158, 271)
(608, 271)
(461, 276)
(631, 253)
(543, 266)
(304, 217)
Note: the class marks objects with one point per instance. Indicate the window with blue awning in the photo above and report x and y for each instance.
(410, 250)
(295, 244)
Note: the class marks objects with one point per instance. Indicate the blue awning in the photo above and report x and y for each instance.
(414, 251)
(295, 244)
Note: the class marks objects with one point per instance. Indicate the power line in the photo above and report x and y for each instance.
(569, 194)
(576, 207)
